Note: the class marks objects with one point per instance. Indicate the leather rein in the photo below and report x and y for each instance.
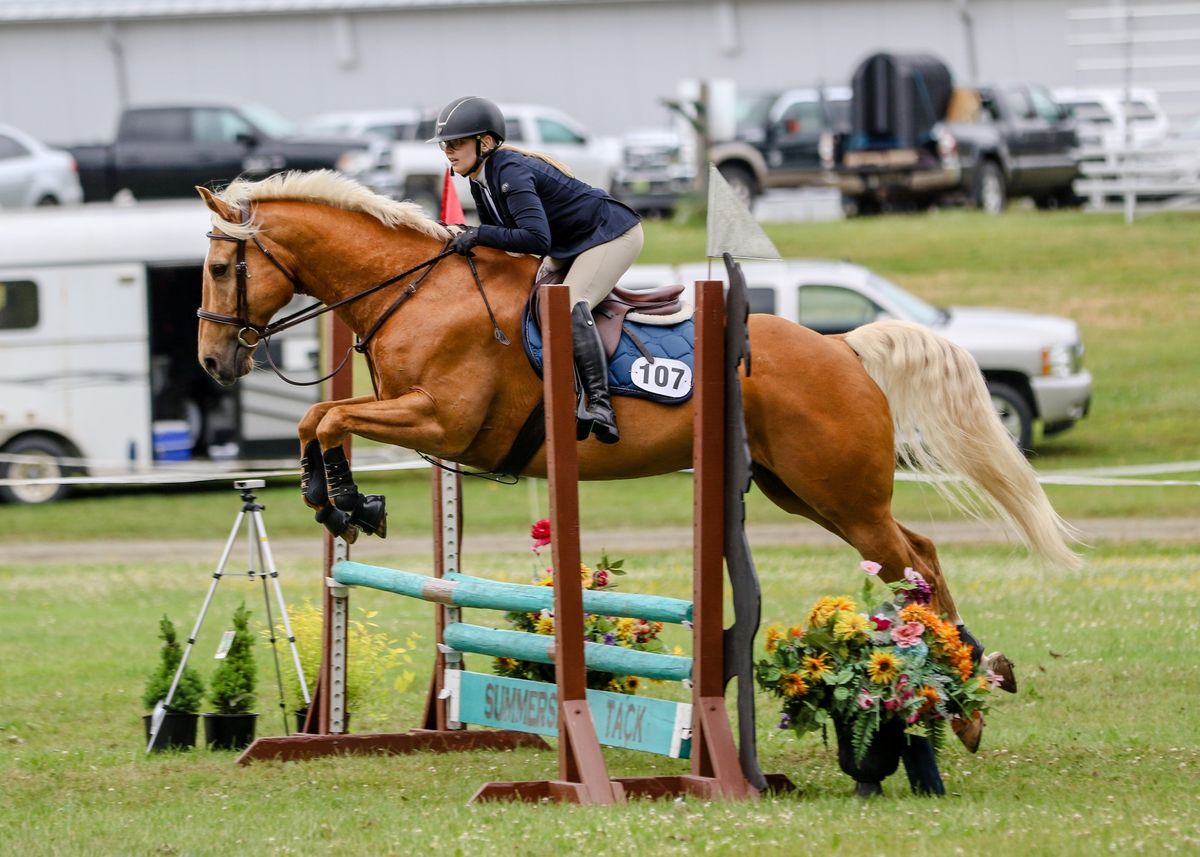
(263, 333)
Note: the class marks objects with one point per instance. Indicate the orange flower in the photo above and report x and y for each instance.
(793, 684)
(817, 665)
(931, 697)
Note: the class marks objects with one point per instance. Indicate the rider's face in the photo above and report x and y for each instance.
(461, 152)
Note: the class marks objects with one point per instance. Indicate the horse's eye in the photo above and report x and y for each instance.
(218, 270)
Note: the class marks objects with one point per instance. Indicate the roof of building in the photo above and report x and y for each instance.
(50, 11)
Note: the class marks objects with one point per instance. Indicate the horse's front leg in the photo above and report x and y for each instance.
(312, 467)
(409, 421)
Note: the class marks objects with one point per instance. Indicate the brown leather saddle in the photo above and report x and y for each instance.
(611, 312)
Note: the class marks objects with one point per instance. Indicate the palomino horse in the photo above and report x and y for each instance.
(822, 412)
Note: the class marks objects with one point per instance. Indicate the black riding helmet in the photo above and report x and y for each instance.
(468, 116)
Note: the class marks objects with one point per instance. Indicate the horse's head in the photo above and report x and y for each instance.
(243, 287)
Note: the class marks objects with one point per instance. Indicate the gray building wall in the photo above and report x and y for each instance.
(607, 63)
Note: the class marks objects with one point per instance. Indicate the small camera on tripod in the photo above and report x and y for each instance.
(248, 484)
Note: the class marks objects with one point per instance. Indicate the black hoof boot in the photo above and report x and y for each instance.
(340, 481)
(337, 522)
(969, 638)
(312, 476)
(371, 515)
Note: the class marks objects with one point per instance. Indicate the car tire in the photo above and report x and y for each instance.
(741, 182)
(48, 199)
(47, 451)
(1015, 413)
(991, 194)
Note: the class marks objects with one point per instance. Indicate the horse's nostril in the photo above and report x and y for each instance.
(210, 366)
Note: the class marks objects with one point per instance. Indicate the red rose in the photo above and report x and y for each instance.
(540, 533)
(882, 623)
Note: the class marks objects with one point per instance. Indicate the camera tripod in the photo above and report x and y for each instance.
(260, 564)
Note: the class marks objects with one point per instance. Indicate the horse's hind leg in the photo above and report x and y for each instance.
(873, 532)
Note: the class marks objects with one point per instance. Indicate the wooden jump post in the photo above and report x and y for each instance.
(583, 777)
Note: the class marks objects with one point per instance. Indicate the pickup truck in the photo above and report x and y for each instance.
(165, 151)
(916, 139)
(418, 168)
(777, 139)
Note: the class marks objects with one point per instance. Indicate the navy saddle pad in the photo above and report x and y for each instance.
(666, 378)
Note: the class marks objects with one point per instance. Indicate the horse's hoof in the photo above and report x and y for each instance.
(337, 522)
(970, 732)
(1002, 667)
(371, 515)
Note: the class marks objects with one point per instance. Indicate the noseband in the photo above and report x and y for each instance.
(242, 319)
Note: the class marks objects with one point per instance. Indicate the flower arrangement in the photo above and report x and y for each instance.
(900, 662)
(637, 634)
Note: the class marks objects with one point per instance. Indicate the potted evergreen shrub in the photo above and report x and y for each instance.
(231, 726)
(178, 728)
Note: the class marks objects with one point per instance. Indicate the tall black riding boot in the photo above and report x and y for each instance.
(592, 366)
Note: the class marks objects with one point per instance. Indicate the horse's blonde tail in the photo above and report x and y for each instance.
(947, 428)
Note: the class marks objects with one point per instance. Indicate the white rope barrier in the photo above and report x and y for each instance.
(187, 473)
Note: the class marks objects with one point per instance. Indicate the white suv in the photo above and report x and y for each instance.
(1033, 364)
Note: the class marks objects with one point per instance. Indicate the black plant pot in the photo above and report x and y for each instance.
(879, 763)
(229, 731)
(176, 732)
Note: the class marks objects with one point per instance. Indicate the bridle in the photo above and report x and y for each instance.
(263, 333)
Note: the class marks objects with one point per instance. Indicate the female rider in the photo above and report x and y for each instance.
(530, 203)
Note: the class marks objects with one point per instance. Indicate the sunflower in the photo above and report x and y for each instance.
(883, 667)
(849, 626)
(775, 636)
(544, 625)
(825, 608)
(793, 684)
(931, 697)
(817, 665)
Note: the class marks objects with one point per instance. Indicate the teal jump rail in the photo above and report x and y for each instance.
(465, 591)
(539, 648)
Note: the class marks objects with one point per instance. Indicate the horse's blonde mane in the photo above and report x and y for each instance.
(328, 188)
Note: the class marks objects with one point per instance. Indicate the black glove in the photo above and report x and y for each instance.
(465, 240)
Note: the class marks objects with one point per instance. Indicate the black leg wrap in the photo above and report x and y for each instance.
(337, 522)
(371, 514)
(592, 368)
(312, 476)
(340, 481)
(968, 638)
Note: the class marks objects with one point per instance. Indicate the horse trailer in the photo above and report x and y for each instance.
(98, 370)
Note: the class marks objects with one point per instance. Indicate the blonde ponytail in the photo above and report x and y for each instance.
(554, 162)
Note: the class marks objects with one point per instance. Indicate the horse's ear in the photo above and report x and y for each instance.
(216, 205)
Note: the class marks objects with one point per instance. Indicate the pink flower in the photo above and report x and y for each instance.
(908, 634)
(902, 682)
(600, 578)
(882, 623)
(993, 679)
(891, 704)
(921, 593)
(540, 533)
(865, 700)
(871, 568)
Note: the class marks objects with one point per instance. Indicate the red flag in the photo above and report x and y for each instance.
(452, 211)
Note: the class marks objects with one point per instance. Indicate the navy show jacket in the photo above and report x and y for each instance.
(543, 211)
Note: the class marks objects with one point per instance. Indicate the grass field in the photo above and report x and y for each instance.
(1097, 752)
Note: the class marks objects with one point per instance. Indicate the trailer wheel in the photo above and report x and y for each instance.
(44, 462)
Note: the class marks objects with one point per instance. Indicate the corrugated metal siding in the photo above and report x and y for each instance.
(609, 64)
